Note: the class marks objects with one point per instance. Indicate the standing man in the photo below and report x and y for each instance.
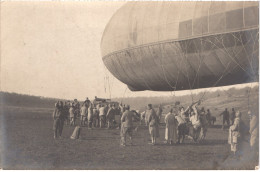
(160, 110)
(62, 118)
(171, 128)
(232, 116)
(196, 124)
(87, 102)
(90, 116)
(98, 118)
(66, 112)
(181, 128)
(225, 118)
(153, 121)
(102, 116)
(83, 114)
(126, 126)
(72, 115)
(106, 110)
(204, 125)
(184, 113)
(254, 132)
(142, 117)
(122, 110)
(76, 108)
(95, 117)
(234, 138)
(208, 116)
(110, 116)
(57, 117)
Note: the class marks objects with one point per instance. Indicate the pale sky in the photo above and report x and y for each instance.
(52, 49)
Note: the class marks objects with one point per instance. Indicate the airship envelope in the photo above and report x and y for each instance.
(165, 46)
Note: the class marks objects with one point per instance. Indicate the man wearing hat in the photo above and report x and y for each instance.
(102, 116)
(234, 138)
(87, 102)
(110, 115)
(83, 114)
(58, 119)
(126, 125)
(76, 108)
(225, 118)
(72, 115)
(153, 122)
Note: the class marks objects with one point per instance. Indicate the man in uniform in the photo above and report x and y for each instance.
(66, 112)
(110, 116)
(208, 116)
(196, 125)
(102, 116)
(159, 113)
(122, 110)
(83, 114)
(95, 116)
(153, 122)
(181, 128)
(76, 109)
(72, 115)
(232, 116)
(126, 126)
(58, 120)
(254, 133)
(87, 102)
(90, 116)
(225, 118)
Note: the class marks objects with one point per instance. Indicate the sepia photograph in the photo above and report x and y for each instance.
(129, 85)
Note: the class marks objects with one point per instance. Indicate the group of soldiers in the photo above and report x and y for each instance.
(191, 121)
(90, 114)
(228, 118)
(180, 122)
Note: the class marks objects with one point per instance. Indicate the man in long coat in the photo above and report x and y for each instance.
(90, 116)
(126, 126)
(171, 128)
(110, 116)
(234, 138)
(58, 120)
(254, 133)
(153, 121)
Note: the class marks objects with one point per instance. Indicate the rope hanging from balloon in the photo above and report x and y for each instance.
(235, 55)
(227, 69)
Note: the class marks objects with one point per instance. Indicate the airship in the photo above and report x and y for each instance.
(167, 46)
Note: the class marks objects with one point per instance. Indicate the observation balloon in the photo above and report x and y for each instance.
(166, 46)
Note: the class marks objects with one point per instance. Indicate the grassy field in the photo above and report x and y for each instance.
(28, 144)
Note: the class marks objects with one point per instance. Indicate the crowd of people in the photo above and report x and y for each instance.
(98, 115)
(180, 122)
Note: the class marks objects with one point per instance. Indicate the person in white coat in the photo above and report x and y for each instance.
(254, 134)
(90, 116)
(234, 138)
(171, 128)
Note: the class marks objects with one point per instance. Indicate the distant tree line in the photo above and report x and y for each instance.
(141, 102)
(14, 99)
